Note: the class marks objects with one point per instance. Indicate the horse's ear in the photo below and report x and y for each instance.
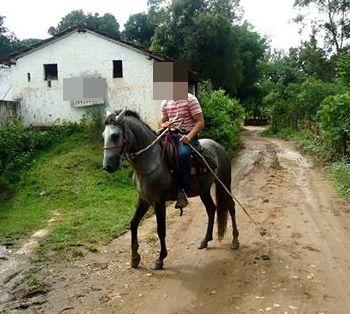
(108, 113)
(121, 115)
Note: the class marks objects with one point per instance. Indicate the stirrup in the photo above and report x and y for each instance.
(181, 202)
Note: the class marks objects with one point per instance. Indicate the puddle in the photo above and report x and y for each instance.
(289, 157)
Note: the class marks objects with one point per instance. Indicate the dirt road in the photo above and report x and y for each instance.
(302, 264)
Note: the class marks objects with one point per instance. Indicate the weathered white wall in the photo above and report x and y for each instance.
(5, 83)
(81, 54)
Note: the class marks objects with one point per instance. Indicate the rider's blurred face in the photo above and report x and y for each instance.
(170, 81)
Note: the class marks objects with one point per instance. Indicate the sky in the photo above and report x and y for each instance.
(31, 19)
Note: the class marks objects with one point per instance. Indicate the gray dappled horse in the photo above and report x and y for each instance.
(125, 133)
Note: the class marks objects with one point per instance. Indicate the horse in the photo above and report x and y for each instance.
(125, 133)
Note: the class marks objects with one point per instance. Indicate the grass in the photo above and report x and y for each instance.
(340, 174)
(91, 206)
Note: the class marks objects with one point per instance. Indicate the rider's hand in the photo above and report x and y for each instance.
(165, 124)
(185, 139)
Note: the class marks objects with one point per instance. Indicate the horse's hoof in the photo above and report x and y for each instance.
(202, 245)
(235, 244)
(157, 265)
(135, 261)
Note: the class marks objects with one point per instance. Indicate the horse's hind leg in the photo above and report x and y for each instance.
(141, 210)
(161, 230)
(235, 233)
(211, 208)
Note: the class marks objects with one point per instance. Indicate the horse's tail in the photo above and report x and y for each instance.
(223, 200)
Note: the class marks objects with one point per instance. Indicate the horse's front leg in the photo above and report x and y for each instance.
(161, 230)
(141, 210)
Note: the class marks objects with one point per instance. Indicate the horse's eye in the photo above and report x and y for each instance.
(114, 137)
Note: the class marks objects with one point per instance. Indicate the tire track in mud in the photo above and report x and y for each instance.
(301, 265)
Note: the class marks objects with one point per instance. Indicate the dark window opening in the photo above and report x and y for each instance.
(28, 77)
(117, 68)
(51, 72)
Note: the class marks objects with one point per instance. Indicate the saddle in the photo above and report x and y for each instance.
(198, 167)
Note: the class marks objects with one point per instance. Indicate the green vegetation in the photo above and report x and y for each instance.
(340, 174)
(67, 183)
(57, 174)
(223, 118)
(334, 122)
(18, 146)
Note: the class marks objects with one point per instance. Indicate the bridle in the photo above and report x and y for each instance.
(125, 143)
(132, 155)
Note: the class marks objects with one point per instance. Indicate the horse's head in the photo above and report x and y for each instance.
(114, 141)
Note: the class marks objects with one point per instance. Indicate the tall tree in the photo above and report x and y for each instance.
(252, 49)
(8, 41)
(202, 33)
(106, 23)
(139, 29)
(336, 22)
(314, 62)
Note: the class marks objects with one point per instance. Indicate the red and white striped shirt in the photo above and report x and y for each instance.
(182, 109)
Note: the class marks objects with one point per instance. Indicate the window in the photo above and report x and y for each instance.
(117, 68)
(51, 72)
(28, 77)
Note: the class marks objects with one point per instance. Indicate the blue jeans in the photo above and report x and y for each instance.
(185, 160)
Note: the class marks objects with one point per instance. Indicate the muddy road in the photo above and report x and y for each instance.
(301, 265)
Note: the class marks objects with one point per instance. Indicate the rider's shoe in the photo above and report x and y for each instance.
(181, 200)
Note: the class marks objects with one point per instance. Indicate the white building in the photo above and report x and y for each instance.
(5, 83)
(37, 76)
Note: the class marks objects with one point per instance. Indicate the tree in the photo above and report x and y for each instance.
(203, 33)
(279, 68)
(314, 62)
(336, 23)
(140, 29)
(106, 23)
(252, 49)
(28, 42)
(344, 68)
(8, 41)
(334, 120)
(230, 9)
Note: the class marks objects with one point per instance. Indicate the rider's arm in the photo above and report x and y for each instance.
(165, 117)
(196, 129)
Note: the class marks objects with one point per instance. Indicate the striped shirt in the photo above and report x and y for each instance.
(182, 109)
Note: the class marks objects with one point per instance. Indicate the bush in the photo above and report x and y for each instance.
(18, 146)
(334, 121)
(312, 93)
(340, 173)
(92, 122)
(223, 118)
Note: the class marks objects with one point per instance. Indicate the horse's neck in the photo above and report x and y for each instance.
(142, 137)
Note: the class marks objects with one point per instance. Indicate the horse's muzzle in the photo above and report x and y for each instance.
(112, 165)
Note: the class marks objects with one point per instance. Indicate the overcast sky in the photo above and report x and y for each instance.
(31, 19)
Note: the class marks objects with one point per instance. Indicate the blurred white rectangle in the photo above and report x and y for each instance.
(84, 91)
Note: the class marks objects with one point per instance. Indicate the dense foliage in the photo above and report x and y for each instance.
(18, 145)
(209, 36)
(223, 118)
(334, 119)
(106, 23)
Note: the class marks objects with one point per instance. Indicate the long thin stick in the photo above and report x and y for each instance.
(222, 184)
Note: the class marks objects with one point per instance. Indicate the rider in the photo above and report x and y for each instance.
(190, 112)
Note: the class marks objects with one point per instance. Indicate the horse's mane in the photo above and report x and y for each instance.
(128, 113)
